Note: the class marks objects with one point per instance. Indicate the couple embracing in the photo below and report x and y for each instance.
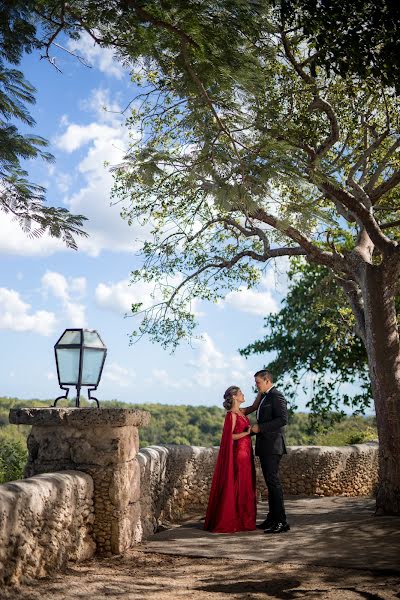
(232, 504)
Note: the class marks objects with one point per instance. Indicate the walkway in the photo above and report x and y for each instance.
(336, 550)
(333, 532)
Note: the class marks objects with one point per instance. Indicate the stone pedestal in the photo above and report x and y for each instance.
(102, 442)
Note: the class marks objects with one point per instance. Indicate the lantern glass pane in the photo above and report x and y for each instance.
(92, 339)
(91, 367)
(70, 337)
(68, 364)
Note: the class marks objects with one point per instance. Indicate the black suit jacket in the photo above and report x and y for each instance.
(272, 418)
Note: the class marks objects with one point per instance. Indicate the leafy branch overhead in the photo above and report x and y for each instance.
(247, 153)
(18, 196)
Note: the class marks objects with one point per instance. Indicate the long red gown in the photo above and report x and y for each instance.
(232, 501)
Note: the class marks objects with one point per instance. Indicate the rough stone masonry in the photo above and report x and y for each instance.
(103, 443)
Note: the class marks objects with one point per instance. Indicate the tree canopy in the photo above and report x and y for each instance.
(361, 38)
(245, 154)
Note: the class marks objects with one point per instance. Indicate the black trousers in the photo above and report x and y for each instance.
(270, 469)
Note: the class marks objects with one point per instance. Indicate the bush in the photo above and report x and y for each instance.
(13, 457)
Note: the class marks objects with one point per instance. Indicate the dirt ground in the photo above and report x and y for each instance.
(140, 575)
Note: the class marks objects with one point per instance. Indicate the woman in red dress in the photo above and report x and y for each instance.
(232, 501)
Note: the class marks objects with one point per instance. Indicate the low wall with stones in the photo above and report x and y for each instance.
(44, 521)
(176, 479)
(102, 442)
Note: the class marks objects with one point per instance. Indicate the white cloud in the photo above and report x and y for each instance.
(75, 314)
(252, 301)
(120, 296)
(102, 58)
(76, 136)
(107, 144)
(166, 380)
(61, 287)
(78, 285)
(117, 374)
(56, 284)
(15, 315)
(265, 299)
(103, 106)
(210, 368)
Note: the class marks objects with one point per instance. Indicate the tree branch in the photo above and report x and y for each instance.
(385, 187)
(297, 66)
(334, 261)
(355, 299)
(323, 106)
(382, 166)
(365, 216)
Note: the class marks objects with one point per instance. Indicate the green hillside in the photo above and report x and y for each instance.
(193, 425)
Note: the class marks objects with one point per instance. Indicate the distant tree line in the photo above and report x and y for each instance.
(189, 425)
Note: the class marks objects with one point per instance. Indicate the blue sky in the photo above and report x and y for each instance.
(46, 288)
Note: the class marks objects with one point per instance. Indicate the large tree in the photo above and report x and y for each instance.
(20, 197)
(244, 151)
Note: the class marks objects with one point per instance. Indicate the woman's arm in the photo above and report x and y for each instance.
(237, 436)
(250, 409)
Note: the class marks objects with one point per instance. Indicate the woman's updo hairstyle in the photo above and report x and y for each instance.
(228, 396)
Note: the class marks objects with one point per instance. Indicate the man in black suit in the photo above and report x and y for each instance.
(270, 446)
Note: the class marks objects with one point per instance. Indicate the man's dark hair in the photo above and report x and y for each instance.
(265, 374)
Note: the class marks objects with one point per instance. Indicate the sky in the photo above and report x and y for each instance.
(46, 288)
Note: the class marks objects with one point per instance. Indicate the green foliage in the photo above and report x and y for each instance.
(313, 335)
(13, 452)
(360, 38)
(19, 197)
(243, 149)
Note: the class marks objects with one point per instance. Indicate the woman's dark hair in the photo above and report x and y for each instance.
(228, 396)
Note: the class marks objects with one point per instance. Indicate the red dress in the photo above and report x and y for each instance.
(232, 502)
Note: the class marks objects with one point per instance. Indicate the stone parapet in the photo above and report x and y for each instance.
(44, 522)
(330, 470)
(81, 418)
(176, 480)
(102, 443)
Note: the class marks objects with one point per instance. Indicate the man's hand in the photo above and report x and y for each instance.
(255, 429)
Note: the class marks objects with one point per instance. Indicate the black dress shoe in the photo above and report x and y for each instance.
(278, 528)
(270, 527)
(266, 524)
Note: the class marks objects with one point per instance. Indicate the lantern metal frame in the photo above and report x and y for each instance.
(81, 346)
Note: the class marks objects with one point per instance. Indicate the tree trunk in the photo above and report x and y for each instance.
(383, 349)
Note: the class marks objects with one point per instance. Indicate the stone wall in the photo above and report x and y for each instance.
(176, 479)
(44, 521)
(102, 442)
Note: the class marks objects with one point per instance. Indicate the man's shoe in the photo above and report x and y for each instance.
(278, 528)
(270, 527)
(266, 524)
